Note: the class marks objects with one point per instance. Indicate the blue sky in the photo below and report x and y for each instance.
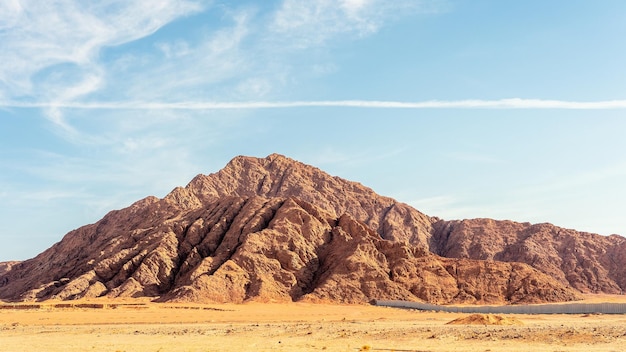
(463, 109)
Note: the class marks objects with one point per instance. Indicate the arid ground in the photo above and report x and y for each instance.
(132, 326)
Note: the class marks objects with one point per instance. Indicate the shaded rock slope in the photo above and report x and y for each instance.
(274, 229)
(588, 262)
(266, 249)
(278, 176)
(5, 267)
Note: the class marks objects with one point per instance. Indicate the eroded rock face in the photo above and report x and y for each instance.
(588, 262)
(278, 176)
(238, 249)
(5, 267)
(274, 229)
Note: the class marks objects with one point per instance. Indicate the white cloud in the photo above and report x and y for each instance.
(175, 49)
(354, 6)
(88, 84)
(124, 168)
(309, 23)
(213, 65)
(515, 103)
(40, 39)
(256, 86)
(11, 10)
(52, 59)
(142, 144)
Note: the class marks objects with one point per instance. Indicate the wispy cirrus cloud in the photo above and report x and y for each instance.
(50, 49)
(53, 53)
(249, 55)
(309, 23)
(64, 31)
(179, 68)
(515, 103)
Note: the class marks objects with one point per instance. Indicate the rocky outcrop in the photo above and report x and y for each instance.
(238, 249)
(5, 267)
(587, 262)
(274, 229)
(278, 176)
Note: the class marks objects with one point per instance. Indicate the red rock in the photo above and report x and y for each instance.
(275, 229)
(587, 262)
(5, 267)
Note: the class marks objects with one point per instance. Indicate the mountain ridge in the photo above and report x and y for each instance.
(275, 229)
(279, 176)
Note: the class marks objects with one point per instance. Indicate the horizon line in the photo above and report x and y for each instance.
(511, 103)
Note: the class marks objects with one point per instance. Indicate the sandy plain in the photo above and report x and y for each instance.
(143, 326)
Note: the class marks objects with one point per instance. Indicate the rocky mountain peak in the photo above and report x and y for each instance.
(275, 229)
(279, 176)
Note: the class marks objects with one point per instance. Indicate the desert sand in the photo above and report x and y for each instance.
(143, 326)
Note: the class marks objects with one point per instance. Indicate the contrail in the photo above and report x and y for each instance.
(514, 103)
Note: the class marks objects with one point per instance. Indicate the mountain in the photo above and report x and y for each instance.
(235, 249)
(274, 229)
(278, 176)
(588, 262)
(5, 267)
